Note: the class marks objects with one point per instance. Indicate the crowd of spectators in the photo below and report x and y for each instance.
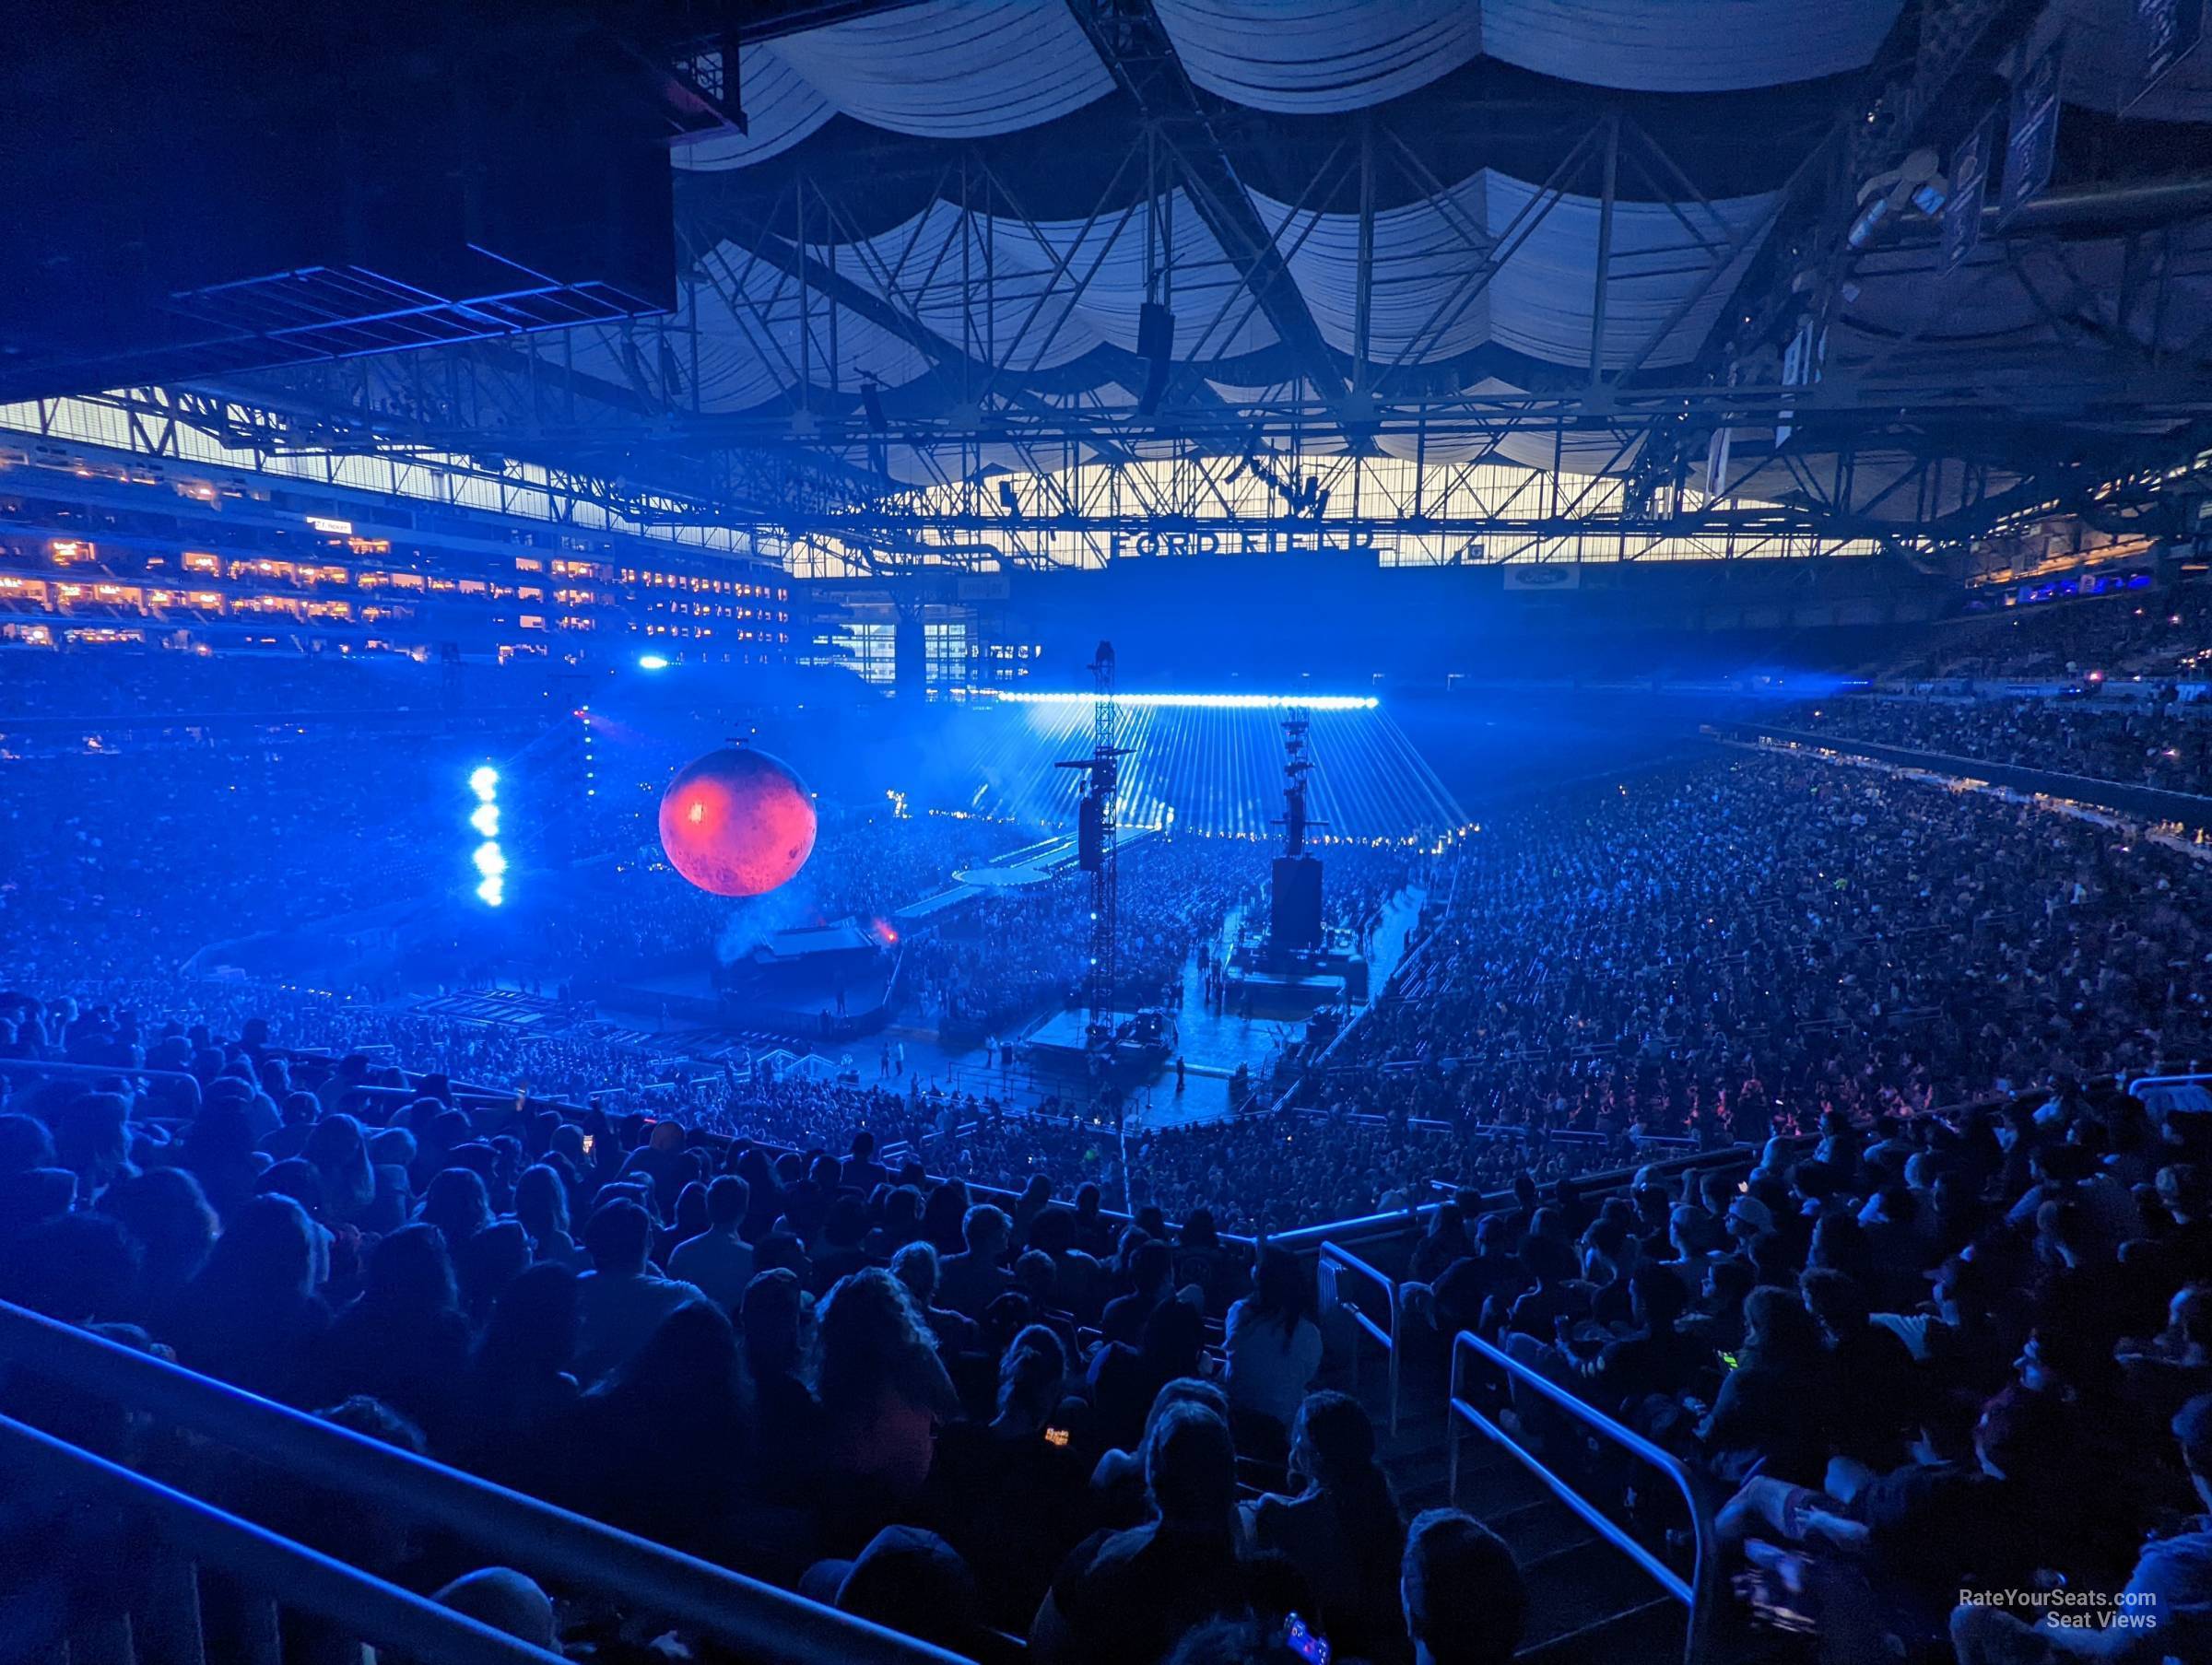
(1945, 1380)
(128, 861)
(1952, 1335)
(1911, 1355)
(2156, 634)
(2136, 743)
(1735, 947)
(825, 1369)
(1697, 955)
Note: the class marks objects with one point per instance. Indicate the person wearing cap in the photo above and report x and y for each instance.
(1748, 1219)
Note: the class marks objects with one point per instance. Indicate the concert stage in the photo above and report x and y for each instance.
(1276, 984)
(822, 981)
(812, 983)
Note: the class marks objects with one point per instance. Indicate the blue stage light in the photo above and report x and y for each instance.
(485, 818)
(492, 891)
(484, 783)
(652, 661)
(1212, 702)
(490, 859)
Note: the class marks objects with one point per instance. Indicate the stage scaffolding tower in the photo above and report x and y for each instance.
(1098, 824)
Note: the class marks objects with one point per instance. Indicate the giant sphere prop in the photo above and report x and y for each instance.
(737, 823)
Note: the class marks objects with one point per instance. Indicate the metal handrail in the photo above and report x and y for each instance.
(1337, 1256)
(1593, 1183)
(2195, 1078)
(201, 1533)
(755, 1617)
(102, 1072)
(1696, 1592)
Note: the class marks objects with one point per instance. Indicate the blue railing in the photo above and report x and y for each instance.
(1695, 1593)
(2155, 1104)
(188, 1084)
(1345, 1261)
(159, 1617)
(758, 1619)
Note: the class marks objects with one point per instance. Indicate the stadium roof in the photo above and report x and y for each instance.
(926, 242)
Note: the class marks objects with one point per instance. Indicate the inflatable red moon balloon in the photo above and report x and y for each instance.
(736, 823)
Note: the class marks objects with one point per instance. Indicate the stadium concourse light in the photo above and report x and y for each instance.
(1213, 702)
(652, 661)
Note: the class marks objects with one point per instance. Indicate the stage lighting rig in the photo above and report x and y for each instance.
(1098, 833)
(489, 859)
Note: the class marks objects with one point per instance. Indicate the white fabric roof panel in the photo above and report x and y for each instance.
(952, 69)
(1111, 261)
(1543, 302)
(1687, 45)
(964, 69)
(1039, 295)
(1425, 304)
(1309, 56)
(1425, 254)
(781, 107)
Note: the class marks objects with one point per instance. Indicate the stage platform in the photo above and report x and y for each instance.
(820, 983)
(1041, 862)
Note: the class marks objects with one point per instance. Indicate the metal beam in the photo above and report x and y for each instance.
(1135, 47)
(959, 367)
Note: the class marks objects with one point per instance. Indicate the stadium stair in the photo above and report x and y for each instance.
(1586, 1599)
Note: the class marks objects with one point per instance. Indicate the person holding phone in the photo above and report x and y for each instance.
(1341, 1529)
